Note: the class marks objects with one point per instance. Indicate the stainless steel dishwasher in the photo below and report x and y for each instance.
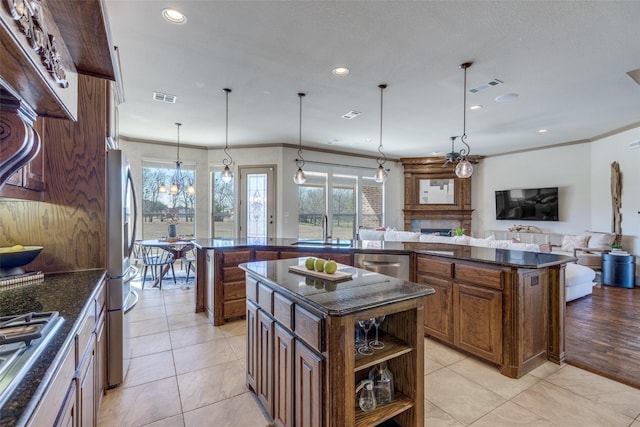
(395, 265)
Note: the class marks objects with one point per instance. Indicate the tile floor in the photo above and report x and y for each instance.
(185, 372)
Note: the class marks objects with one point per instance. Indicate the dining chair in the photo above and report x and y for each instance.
(190, 262)
(160, 260)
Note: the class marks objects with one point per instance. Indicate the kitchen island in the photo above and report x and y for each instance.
(300, 344)
(504, 306)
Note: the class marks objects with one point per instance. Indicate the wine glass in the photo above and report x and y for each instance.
(359, 340)
(377, 344)
(366, 325)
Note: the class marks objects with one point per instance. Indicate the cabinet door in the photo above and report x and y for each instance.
(438, 313)
(308, 386)
(67, 416)
(101, 358)
(252, 345)
(264, 372)
(283, 377)
(86, 392)
(478, 321)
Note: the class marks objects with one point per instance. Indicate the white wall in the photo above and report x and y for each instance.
(581, 171)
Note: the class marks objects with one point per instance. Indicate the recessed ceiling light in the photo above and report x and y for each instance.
(543, 130)
(475, 107)
(507, 97)
(174, 16)
(340, 71)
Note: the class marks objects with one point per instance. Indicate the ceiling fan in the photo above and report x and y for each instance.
(452, 156)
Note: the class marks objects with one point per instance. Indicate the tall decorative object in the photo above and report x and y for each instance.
(616, 199)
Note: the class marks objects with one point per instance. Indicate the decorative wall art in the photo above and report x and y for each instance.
(437, 192)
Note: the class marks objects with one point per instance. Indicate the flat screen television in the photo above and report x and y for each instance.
(531, 204)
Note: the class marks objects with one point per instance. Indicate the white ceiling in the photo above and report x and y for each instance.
(566, 60)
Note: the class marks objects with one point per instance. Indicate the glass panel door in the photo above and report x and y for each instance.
(257, 202)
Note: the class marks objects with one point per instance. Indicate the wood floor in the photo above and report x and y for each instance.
(603, 333)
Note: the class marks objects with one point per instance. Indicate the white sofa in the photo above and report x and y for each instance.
(579, 279)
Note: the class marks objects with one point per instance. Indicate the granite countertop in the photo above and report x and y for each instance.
(512, 258)
(68, 294)
(364, 290)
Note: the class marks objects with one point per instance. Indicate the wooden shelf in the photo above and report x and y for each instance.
(383, 412)
(393, 347)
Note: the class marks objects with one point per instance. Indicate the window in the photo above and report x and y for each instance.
(158, 207)
(223, 209)
(355, 200)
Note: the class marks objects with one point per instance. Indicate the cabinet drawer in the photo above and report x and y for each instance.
(232, 274)
(252, 289)
(233, 290)
(308, 327)
(233, 309)
(236, 257)
(480, 275)
(45, 414)
(265, 298)
(435, 266)
(266, 255)
(283, 310)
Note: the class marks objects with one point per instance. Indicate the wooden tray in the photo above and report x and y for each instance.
(338, 275)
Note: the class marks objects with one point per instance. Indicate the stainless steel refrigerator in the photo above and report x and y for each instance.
(121, 231)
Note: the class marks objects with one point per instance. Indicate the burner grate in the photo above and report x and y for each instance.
(25, 327)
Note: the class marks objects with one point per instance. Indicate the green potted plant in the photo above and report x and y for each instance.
(457, 232)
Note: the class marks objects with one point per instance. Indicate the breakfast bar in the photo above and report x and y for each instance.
(301, 355)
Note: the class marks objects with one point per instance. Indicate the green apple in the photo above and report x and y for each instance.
(310, 263)
(319, 264)
(330, 266)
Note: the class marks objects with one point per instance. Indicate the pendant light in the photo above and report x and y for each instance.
(177, 176)
(381, 174)
(464, 168)
(227, 175)
(299, 177)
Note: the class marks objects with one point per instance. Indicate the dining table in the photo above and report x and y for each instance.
(178, 248)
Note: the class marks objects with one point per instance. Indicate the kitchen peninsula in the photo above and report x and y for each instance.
(300, 344)
(504, 306)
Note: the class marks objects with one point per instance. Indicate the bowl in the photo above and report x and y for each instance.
(11, 262)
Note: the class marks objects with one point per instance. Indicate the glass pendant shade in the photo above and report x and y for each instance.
(464, 169)
(299, 177)
(191, 189)
(381, 174)
(173, 189)
(163, 188)
(227, 176)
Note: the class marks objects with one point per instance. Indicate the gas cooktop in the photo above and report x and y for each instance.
(22, 339)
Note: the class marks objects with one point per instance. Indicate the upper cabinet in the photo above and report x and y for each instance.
(44, 45)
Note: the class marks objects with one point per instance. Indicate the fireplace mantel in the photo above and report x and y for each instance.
(434, 197)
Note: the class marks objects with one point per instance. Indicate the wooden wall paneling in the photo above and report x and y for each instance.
(71, 223)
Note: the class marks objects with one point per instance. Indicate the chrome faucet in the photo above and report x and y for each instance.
(325, 228)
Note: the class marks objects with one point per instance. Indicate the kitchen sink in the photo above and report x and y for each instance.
(334, 243)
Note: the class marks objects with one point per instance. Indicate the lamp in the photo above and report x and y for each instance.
(227, 175)
(464, 168)
(381, 174)
(177, 176)
(299, 177)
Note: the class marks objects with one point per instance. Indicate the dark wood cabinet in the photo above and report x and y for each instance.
(283, 390)
(308, 386)
(498, 313)
(265, 361)
(478, 321)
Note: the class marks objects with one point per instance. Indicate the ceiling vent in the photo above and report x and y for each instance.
(164, 97)
(494, 82)
(351, 115)
(634, 145)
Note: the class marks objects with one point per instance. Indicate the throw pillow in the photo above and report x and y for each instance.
(602, 241)
(570, 242)
(544, 248)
